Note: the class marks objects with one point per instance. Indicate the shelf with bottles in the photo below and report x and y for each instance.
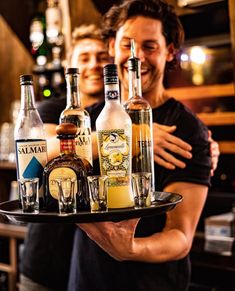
(47, 49)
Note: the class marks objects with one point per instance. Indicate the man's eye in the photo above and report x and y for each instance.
(150, 47)
(126, 45)
(83, 59)
(103, 58)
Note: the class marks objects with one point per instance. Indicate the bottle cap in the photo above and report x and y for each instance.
(133, 64)
(72, 71)
(68, 129)
(110, 70)
(26, 79)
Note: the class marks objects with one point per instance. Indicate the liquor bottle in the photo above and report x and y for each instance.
(74, 113)
(140, 113)
(114, 127)
(67, 164)
(31, 147)
(54, 23)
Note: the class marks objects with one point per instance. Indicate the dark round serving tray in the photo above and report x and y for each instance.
(164, 201)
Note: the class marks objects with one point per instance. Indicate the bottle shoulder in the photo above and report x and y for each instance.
(113, 118)
(137, 103)
(113, 109)
(72, 161)
(75, 111)
(29, 126)
(79, 117)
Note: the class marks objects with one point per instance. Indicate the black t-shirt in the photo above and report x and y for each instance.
(93, 269)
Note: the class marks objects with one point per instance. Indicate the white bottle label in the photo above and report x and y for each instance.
(114, 152)
(31, 158)
(115, 161)
(84, 144)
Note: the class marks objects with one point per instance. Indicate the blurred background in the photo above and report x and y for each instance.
(35, 37)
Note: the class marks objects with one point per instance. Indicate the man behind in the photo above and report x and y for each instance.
(150, 253)
(46, 258)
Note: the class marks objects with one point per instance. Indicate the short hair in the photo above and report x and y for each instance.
(156, 9)
(81, 32)
(86, 31)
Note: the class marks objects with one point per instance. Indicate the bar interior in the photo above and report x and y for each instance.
(36, 39)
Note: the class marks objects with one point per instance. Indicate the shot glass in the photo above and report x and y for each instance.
(98, 192)
(29, 194)
(67, 188)
(141, 188)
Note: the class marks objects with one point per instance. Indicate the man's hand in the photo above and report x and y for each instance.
(214, 152)
(164, 142)
(117, 239)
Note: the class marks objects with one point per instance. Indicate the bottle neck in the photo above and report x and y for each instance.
(27, 97)
(73, 94)
(67, 146)
(135, 81)
(111, 88)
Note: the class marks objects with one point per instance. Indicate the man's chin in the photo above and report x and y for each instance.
(95, 94)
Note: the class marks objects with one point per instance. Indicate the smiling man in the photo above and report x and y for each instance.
(46, 258)
(150, 253)
(89, 54)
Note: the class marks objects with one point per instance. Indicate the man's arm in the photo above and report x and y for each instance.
(214, 152)
(173, 243)
(166, 144)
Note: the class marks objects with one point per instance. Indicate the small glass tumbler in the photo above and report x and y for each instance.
(141, 188)
(29, 194)
(66, 194)
(98, 192)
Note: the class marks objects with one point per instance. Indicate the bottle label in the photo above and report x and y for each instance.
(114, 152)
(141, 138)
(111, 80)
(60, 173)
(31, 158)
(67, 145)
(112, 91)
(84, 144)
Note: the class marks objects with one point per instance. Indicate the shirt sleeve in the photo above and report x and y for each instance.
(197, 170)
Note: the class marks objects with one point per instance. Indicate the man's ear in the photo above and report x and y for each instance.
(111, 48)
(171, 52)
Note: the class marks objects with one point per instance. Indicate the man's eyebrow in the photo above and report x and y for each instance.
(126, 38)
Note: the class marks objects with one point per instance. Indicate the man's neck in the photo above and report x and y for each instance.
(155, 97)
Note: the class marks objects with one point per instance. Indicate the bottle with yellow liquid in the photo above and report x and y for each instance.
(114, 136)
(140, 112)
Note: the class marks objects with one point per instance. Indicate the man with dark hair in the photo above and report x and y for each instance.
(150, 253)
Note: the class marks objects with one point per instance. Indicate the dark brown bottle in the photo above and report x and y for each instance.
(67, 164)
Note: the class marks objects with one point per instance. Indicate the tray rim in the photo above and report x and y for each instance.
(159, 206)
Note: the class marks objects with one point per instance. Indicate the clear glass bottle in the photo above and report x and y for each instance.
(140, 113)
(67, 164)
(114, 127)
(30, 141)
(54, 23)
(74, 113)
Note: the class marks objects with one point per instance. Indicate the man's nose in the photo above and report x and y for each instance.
(93, 62)
(140, 53)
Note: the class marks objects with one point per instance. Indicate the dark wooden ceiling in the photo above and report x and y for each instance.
(202, 21)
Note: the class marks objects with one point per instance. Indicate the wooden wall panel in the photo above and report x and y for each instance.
(83, 12)
(14, 61)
